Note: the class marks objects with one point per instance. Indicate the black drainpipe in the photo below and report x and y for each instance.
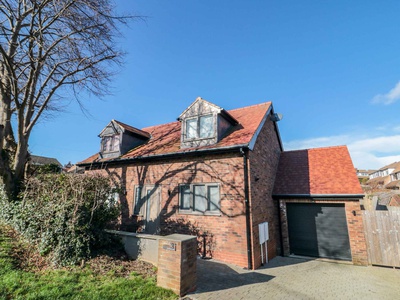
(246, 200)
(280, 225)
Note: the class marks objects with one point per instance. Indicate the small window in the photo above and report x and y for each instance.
(213, 195)
(110, 143)
(201, 127)
(206, 127)
(185, 196)
(191, 128)
(115, 143)
(138, 200)
(200, 198)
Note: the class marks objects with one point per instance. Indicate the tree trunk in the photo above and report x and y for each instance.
(6, 146)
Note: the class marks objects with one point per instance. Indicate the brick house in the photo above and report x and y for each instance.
(318, 194)
(213, 172)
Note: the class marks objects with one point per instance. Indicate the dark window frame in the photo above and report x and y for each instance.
(189, 190)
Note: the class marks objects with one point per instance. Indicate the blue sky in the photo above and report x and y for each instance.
(332, 68)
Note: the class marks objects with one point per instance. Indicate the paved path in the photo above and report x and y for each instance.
(295, 278)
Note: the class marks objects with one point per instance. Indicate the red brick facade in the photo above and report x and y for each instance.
(262, 169)
(228, 228)
(226, 231)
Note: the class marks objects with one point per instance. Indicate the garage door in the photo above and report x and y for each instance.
(318, 230)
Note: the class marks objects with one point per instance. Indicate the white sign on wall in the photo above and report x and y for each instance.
(263, 230)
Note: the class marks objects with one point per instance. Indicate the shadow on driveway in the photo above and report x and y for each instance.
(215, 276)
(295, 278)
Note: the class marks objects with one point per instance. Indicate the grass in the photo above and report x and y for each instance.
(75, 283)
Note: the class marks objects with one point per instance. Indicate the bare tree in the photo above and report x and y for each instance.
(49, 49)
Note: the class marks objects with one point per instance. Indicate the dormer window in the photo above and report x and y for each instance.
(201, 127)
(110, 143)
(204, 124)
(118, 138)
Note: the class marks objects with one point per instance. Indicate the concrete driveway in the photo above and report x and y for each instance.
(295, 278)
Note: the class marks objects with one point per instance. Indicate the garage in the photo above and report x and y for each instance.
(318, 230)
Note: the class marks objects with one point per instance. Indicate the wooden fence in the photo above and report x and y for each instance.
(382, 233)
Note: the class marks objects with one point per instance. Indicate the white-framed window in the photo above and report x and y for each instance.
(110, 143)
(199, 198)
(200, 127)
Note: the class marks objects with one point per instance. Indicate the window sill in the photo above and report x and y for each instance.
(196, 213)
(198, 139)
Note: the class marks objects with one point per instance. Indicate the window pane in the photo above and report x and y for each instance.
(105, 144)
(191, 128)
(116, 143)
(200, 200)
(185, 197)
(138, 200)
(213, 196)
(206, 127)
(108, 143)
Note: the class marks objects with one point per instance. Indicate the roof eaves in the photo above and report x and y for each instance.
(134, 130)
(261, 125)
(166, 155)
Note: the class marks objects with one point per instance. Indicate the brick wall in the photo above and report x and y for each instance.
(355, 225)
(177, 264)
(355, 228)
(263, 166)
(226, 240)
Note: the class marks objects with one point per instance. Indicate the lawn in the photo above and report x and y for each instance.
(17, 282)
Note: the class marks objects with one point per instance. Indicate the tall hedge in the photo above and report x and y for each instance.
(64, 215)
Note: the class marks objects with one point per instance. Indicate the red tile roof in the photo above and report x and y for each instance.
(318, 171)
(166, 138)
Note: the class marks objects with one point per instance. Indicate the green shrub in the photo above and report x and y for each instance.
(64, 215)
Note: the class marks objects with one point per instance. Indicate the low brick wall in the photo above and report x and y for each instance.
(139, 246)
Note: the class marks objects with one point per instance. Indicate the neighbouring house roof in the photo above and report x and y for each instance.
(390, 166)
(395, 201)
(393, 184)
(317, 172)
(166, 138)
(397, 170)
(42, 160)
(365, 171)
(377, 180)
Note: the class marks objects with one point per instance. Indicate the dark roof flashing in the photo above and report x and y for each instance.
(318, 196)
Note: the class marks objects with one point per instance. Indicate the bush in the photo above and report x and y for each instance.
(64, 215)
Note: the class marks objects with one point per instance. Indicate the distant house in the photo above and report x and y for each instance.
(385, 200)
(394, 183)
(36, 163)
(387, 177)
(73, 169)
(363, 175)
(213, 172)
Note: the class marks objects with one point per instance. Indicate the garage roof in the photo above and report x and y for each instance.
(317, 172)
